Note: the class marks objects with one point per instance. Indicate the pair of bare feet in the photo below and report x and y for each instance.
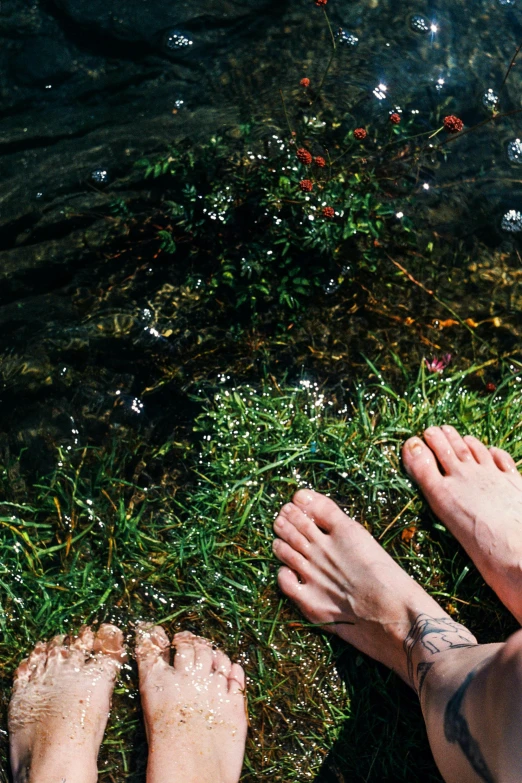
(339, 577)
(194, 709)
(343, 580)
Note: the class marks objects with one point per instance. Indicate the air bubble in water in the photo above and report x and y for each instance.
(512, 221)
(346, 38)
(99, 176)
(506, 2)
(174, 41)
(514, 151)
(419, 24)
(490, 99)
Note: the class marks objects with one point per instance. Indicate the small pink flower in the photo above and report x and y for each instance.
(438, 365)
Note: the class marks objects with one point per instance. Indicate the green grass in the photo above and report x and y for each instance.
(182, 535)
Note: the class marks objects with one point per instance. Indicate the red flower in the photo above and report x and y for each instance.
(360, 134)
(453, 124)
(490, 387)
(395, 118)
(305, 82)
(328, 212)
(320, 3)
(306, 185)
(320, 161)
(304, 156)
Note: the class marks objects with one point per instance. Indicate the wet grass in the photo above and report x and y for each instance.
(182, 534)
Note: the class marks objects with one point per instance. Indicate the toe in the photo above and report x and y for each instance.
(185, 656)
(221, 664)
(443, 449)
(22, 673)
(84, 642)
(305, 524)
(503, 460)
(57, 649)
(420, 463)
(288, 582)
(37, 661)
(460, 447)
(291, 558)
(236, 679)
(109, 642)
(323, 511)
(152, 645)
(286, 531)
(203, 655)
(479, 451)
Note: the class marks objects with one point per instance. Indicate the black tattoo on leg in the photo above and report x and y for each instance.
(434, 635)
(456, 730)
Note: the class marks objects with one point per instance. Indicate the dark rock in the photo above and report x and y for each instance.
(42, 60)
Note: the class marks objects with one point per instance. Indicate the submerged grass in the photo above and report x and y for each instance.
(182, 534)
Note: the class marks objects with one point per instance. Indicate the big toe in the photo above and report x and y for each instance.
(325, 513)
(421, 465)
(108, 641)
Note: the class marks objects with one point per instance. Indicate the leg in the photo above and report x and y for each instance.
(195, 709)
(60, 705)
(343, 580)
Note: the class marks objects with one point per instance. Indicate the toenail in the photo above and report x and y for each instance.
(414, 445)
(303, 497)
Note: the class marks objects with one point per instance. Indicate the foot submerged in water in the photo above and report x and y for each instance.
(60, 706)
(194, 709)
(477, 493)
(344, 581)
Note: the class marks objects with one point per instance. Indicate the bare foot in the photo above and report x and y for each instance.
(195, 710)
(477, 493)
(344, 581)
(60, 706)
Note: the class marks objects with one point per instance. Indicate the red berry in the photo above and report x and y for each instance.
(395, 118)
(306, 185)
(328, 212)
(320, 161)
(453, 124)
(305, 82)
(320, 3)
(360, 134)
(490, 387)
(304, 156)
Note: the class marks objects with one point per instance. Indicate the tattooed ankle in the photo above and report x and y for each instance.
(429, 636)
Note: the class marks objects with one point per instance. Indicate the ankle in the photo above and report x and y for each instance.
(429, 641)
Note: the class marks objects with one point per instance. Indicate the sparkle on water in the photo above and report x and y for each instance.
(490, 99)
(512, 221)
(514, 151)
(175, 40)
(419, 24)
(346, 38)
